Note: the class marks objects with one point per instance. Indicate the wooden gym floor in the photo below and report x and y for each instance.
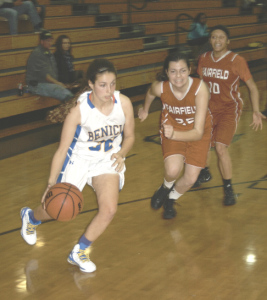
(208, 252)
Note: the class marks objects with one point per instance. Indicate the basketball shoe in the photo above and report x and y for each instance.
(28, 229)
(169, 210)
(204, 176)
(159, 197)
(229, 196)
(81, 259)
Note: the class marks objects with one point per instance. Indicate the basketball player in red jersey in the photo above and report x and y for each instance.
(185, 129)
(221, 69)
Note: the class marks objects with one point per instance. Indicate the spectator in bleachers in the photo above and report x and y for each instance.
(64, 58)
(198, 34)
(12, 9)
(40, 10)
(42, 73)
(198, 37)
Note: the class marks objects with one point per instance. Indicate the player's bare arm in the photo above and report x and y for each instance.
(254, 96)
(128, 133)
(153, 92)
(68, 131)
(70, 124)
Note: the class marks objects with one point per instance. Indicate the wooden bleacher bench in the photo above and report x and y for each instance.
(55, 23)
(17, 42)
(105, 8)
(146, 17)
(12, 105)
(235, 30)
(9, 80)
(57, 17)
(235, 43)
(58, 10)
(21, 18)
(19, 58)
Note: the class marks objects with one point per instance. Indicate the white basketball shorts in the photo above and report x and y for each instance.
(80, 171)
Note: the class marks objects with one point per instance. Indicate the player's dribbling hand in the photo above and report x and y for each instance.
(142, 114)
(168, 131)
(44, 195)
(257, 120)
(118, 162)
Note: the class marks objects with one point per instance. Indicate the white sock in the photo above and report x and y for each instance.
(168, 184)
(174, 194)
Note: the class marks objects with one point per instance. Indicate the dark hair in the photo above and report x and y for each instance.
(99, 66)
(175, 57)
(59, 42)
(198, 17)
(220, 27)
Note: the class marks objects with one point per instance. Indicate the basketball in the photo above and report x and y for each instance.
(63, 201)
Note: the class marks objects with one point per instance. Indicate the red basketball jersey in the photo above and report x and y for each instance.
(180, 113)
(222, 77)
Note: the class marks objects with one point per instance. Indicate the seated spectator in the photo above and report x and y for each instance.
(198, 34)
(12, 9)
(40, 10)
(66, 71)
(198, 38)
(42, 73)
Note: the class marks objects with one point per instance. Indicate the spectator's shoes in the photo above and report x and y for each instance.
(159, 197)
(81, 259)
(169, 210)
(28, 230)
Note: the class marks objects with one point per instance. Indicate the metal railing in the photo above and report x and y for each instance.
(129, 9)
(177, 27)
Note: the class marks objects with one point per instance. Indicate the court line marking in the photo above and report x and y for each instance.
(251, 186)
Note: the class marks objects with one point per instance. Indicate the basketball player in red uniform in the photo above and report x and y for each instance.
(222, 69)
(185, 129)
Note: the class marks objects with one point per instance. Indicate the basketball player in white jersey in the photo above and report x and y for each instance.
(97, 134)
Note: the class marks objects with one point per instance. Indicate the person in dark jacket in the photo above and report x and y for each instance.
(64, 59)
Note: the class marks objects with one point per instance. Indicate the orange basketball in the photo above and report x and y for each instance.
(64, 201)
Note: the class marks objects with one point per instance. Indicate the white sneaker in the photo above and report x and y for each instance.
(81, 258)
(28, 230)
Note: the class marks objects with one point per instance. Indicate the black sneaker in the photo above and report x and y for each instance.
(159, 197)
(169, 210)
(229, 196)
(204, 176)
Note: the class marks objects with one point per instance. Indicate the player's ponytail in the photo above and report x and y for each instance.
(97, 67)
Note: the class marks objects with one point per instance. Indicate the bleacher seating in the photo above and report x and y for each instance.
(137, 56)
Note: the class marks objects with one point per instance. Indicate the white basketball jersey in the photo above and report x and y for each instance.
(98, 134)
